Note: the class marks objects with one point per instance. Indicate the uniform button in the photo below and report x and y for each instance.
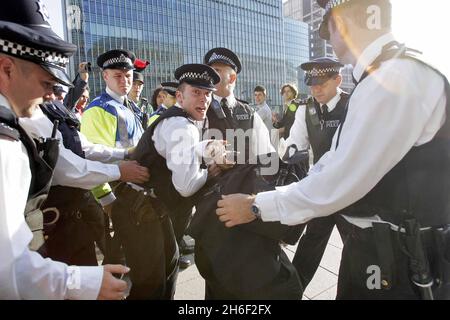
(45, 237)
(385, 283)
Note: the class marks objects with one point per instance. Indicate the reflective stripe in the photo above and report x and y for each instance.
(122, 128)
(153, 119)
(99, 126)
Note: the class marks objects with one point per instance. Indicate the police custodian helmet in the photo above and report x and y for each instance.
(25, 33)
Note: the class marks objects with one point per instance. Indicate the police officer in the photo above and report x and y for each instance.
(32, 60)
(180, 220)
(314, 126)
(78, 219)
(227, 114)
(172, 150)
(391, 174)
(112, 119)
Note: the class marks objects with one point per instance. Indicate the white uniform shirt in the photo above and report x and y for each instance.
(25, 274)
(399, 106)
(299, 132)
(72, 170)
(260, 134)
(177, 139)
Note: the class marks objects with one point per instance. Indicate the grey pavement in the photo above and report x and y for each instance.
(191, 286)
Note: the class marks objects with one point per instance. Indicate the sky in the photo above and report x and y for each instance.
(424, 25)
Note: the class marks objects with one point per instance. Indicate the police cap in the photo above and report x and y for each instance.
(117, 59)
(225, 56)
(25, 33)
(318, 71)
(198, 75)
(170, 87)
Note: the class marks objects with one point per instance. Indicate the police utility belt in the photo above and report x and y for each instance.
(144, 204)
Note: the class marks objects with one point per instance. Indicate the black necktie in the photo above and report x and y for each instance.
(226, 108)
(126, 103)
(325, 110)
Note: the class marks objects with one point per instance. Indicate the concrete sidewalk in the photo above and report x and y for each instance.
(191, 286)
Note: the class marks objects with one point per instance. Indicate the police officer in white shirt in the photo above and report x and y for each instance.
(231, 119)
(172, 150)
(315, 123)
(388, 166)
(32, 60)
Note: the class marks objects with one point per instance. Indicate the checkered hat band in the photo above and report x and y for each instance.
(334, 3)
(217, 57)
(19, 50)
(195, 76)
(121, 59)
(314, 72)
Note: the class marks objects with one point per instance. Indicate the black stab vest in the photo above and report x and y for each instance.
(321, 128)
(419, 185)
(160, 175)
(242, 118)
(42, 155)
(66, 199)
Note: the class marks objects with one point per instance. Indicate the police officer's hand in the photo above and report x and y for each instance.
(216, 153)
(131, 171)
(235, 209)
(113, 288)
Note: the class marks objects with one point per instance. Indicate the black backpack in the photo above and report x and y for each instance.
(247, 260)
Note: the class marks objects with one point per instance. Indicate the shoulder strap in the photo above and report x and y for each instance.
(395, 50)
(8, 124)
(169, 113)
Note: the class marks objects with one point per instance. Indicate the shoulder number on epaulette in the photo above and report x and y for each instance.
(9, 132)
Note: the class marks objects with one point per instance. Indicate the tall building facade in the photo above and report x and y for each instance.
(169, 33)
(311, 13)
(296, 45)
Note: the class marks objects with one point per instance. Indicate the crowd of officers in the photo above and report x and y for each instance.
(122, 175)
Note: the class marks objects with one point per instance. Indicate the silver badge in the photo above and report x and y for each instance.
(42, 10)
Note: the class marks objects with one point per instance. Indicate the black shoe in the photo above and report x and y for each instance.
(185, 262)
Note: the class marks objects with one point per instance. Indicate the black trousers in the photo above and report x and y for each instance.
(313, 243)
(149, 247)
(284, 286)
(180, 221)
(72, 239)
(359, 256)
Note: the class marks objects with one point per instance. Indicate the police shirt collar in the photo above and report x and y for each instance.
(115, 96)
(370, 54)
(230, 99)
(334, 101)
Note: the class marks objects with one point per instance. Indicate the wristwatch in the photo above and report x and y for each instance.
(256, 211)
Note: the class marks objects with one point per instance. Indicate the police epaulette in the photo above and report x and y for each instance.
(9, 132)
(242, 101)
(301, 102)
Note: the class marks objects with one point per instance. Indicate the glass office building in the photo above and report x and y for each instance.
(170, 33)
(296, 46)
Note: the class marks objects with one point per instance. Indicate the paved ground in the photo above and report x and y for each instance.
(191, 286)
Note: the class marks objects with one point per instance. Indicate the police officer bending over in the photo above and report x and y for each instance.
(391, 175)
(32, 60)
